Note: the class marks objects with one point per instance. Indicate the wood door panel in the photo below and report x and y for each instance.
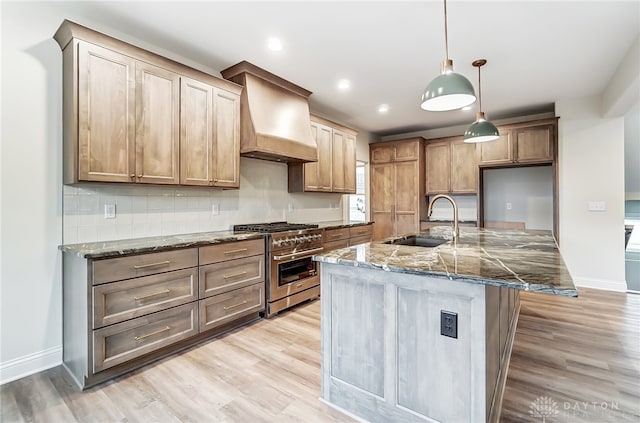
(106, 115)
(196, 133)
(157, 125)
(407, 151)
(337, 169)
(534, 144)
(498, 151)
(438, 160)
(311, 169)
(349, 158)
(325, 158)
(405, 187)
(464, 167)
(227, 140)
(381, 154)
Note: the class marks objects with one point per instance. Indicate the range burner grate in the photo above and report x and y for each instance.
(273, 227)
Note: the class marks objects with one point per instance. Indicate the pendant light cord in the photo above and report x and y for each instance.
(479, 90)
(446, 37)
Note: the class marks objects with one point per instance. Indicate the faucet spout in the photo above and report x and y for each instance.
(456, 229)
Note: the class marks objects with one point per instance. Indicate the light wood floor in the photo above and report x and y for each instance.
(582, 354)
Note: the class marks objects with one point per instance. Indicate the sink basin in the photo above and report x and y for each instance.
(418, 241)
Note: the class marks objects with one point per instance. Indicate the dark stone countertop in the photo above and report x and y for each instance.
(526, 260)
(106, 249)
(337, 224)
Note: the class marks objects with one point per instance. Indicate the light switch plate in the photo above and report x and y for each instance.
(109, 211)
(597, 206)
(215, 209)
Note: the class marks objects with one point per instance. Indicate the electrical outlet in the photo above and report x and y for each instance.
(215, 209)
(290, 208)
(508, 206)
(597, 206)
(109, 211)
(449, 324)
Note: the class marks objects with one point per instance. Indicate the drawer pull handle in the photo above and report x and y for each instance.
(298, 285)
(143, 297)
(140, 338)
(235, 275)
(240, 250)
(235, 305)
(160, 263)
(336, 235)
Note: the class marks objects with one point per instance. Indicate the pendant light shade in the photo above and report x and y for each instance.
(481, 130)
(450, 90)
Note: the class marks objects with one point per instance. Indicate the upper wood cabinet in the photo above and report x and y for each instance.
(209, 135)
(133, 116)
(335, 170)
(522, 143)
(397, 186)
(451, 166)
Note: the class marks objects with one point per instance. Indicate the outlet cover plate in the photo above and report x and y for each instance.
(449, 324)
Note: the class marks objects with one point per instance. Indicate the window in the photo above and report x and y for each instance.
(357, 204)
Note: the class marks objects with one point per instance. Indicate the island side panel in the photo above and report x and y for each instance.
(75, 306)
(425, 375)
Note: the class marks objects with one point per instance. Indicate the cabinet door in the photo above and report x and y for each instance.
(498, 151)
(157, 125)
(382, 200)
(196, 133)
(381, 154)
(464, 167)
(407, 215)
(438, 161)
(408, 150)
(534, 144)
(349, 155)
(226, 151)
(325, 157)
(311, 169)
(106, 115)
(338, 162)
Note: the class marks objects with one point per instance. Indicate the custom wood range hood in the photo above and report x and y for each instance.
(274, 114)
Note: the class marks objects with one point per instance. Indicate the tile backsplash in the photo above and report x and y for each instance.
(142, 211)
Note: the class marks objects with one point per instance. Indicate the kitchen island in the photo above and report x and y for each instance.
(412, 333)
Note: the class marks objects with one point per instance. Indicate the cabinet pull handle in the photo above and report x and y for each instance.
(235, 275)
(298, 285)
(240, 250)
(140, 338)
(133, 175)
(142, 297)
(235, 305)
(336, 235)
(160, 263)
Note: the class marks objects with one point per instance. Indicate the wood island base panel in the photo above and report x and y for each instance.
(414, 332)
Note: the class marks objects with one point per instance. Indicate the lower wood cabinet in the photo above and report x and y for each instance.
(121, 313)
(337, 238)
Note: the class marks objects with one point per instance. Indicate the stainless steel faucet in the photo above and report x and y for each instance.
(456, 230)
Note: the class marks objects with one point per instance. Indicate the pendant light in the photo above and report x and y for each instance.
(481, 130)
(450, 90)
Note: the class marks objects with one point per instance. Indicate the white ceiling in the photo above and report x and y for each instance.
(537, 52)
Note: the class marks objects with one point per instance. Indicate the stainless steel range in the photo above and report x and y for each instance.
(292, 276)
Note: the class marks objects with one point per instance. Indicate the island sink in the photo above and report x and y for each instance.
(418, 241)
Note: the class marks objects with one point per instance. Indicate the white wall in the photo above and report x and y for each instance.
(632, 153)
(590, 152)
(529, 190)
(35, 205)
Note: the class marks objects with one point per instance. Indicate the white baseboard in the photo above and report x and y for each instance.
(607, 285)
(30, 364)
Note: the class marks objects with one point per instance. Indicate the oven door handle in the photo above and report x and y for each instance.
(298, 253)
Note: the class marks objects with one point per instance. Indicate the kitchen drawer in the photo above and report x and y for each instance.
(335, 234)
(231, 250)
(228, 275)
(359, 240)
(115, 344)
(224, 308)
(360, 230)
(334, 245)
(119, 301)
(120, 268)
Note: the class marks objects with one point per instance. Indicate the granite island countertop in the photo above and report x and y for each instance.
(337, 224)
(527, 260)
(124, 247)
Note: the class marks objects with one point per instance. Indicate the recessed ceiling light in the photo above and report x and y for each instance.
(344, 84)
(465, 108)
(383, 108)
(274, 44)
